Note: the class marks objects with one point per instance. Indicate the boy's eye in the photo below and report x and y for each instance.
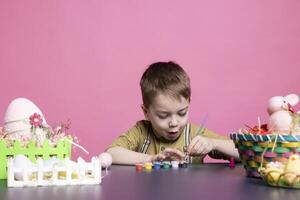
(162, 116)
(182, 114)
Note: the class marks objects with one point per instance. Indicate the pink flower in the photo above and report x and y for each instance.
(36, 120)
(24, 138)
(2, 133)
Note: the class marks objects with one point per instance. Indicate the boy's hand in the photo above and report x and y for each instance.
(168, 154)
(200, 146)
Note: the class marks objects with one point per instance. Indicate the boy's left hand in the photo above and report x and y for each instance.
(168, 154)
(200, 146)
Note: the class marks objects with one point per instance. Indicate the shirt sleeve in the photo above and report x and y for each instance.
(131, 139)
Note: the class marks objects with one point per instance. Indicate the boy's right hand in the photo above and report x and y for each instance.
(168, 154)
(200, 146)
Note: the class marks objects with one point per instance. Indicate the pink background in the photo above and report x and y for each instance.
(82, 60)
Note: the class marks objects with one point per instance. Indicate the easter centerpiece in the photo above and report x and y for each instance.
(271, 150)
(26, 132)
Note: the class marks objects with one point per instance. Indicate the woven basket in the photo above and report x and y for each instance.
(258, 150)
(277, 179)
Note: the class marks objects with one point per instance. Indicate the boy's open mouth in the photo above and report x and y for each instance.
(173, 133)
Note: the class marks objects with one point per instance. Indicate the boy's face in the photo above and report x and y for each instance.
(167, 115)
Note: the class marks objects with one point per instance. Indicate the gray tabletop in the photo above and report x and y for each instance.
(208, 181)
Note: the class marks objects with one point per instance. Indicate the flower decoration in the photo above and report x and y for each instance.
(259, 130)
(3, 134)
(40, 132)
(36, 120)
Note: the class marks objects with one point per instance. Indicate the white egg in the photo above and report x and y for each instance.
(22, 162)
(105, 160)
(50, 162)
(18, 112)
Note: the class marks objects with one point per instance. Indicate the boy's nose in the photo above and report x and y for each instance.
(173, 122)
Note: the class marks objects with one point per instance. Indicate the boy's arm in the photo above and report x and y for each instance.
(226, 147)
(217, 146)
(125, 149)
(214, 147)
(123, 156)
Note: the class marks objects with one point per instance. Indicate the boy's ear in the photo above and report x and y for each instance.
(145, 111)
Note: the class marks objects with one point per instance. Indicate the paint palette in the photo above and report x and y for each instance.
(149, 166)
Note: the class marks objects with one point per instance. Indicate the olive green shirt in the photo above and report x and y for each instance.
(142, 138)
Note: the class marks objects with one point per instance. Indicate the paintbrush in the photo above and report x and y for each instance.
(199, 132)
(201, 127)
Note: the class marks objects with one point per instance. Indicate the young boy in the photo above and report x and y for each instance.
(166, 133)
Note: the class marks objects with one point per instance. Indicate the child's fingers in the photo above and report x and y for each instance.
(176, 156)
(194, 141)
(160, 157)
(198, 148)
(201, 147)
(180, 154)
(173, 153)
(195, 149)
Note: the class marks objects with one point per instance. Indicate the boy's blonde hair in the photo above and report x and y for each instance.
(165, 77)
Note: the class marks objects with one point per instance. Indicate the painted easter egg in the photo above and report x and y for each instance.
(18, 115)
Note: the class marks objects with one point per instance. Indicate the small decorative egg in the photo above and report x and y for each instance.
(22, 162)
(105, 160)
(50, 162)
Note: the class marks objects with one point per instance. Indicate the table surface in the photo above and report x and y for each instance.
(207, 181)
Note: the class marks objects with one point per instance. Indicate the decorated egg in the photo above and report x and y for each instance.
(20, 115)
(22, 162)
(105, 160)
(50, 162)
(272, 174)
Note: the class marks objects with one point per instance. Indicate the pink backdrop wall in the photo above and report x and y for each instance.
(82, 60)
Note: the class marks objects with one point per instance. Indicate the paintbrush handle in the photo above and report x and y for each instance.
(201, 128)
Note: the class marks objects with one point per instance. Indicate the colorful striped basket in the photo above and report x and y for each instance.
(257, 150)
